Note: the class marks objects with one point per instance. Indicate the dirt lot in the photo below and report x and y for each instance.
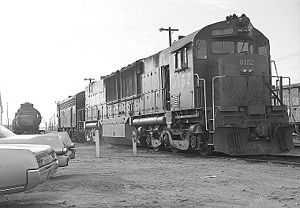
(118, 179)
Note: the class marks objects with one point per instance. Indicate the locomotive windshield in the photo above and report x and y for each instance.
(222, 47)
(262, 50)
(245, 47)
(229, 47)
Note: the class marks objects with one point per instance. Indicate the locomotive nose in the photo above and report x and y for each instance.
(243, 64)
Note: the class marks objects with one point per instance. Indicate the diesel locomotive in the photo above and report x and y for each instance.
(212, 89)
(70, 113)
(27, 120)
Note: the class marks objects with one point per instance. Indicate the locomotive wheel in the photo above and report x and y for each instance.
(193, 143)
(156, 149)
(174, 149)
(144, 142)
(203, 145)
(203, 149)
(156, 143)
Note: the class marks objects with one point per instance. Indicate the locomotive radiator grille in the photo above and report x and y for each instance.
(234, 142)
(176, 101)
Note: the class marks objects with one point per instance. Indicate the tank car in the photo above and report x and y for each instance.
(27, 120)
(70, 113)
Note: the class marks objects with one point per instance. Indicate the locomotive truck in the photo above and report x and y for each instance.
(212, 89)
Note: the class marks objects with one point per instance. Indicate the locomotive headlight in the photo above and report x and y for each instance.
(246, 70)
(242, 108)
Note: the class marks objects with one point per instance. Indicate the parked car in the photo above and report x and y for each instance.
(59, 141)
(24, 166)
(4, 132)
(63, 153)
(67, 142)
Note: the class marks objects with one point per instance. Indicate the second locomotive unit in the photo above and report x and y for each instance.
(209, 90)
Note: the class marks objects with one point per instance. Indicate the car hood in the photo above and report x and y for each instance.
(43, 139)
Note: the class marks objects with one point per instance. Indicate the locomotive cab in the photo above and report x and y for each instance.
(246, 115)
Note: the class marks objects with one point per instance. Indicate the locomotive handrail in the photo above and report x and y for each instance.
(289, 101)
(213, 98)
(133, 98)
(205, 105)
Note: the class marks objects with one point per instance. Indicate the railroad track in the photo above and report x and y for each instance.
(290, 160)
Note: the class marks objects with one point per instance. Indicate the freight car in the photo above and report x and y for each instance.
(27, 120)
(70, 113)
(210, 89)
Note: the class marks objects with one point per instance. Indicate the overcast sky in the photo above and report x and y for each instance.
(47, 48)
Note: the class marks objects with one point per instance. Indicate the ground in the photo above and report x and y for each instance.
(117, 179)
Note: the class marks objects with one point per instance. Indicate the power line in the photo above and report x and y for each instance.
(288, 56)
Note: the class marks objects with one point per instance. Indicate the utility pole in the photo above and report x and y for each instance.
(7, 115)
(170, 30)
(89, 79)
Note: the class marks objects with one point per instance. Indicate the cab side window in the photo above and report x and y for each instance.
(181, 58)
(201, 49)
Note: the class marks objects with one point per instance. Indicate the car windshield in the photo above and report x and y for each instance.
(4, 132)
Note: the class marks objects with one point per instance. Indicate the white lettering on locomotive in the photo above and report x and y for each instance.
(247, 62)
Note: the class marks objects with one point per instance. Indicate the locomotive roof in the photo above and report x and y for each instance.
(70, 97)
(190, 38)
(233, 20)
(183, 41)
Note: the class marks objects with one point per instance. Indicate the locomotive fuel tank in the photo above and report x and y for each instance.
(27, 119)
